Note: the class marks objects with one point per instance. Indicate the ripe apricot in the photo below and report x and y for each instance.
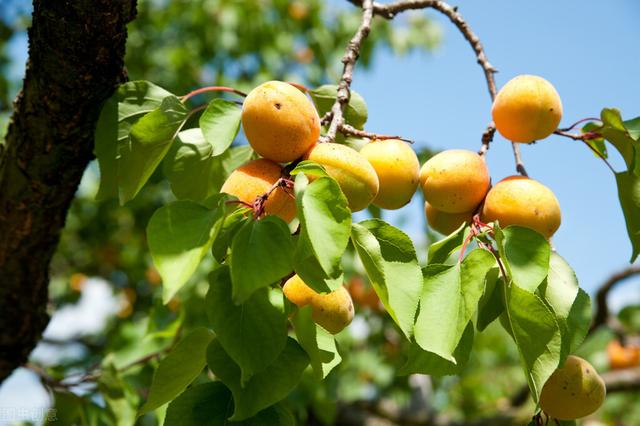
(527, 109)
(280, 122)
(332, 311)
(518, 200)
(397, 167)
(355, 175)
(455, 181)
(573, 391)
(622, 356)
(445, 223)
(362, 294)
(255, 178)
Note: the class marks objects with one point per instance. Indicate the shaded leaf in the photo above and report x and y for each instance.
(318, 343)
(440, 251)
(629, 195)
(525, 254)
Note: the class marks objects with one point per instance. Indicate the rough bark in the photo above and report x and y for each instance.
(76, 60)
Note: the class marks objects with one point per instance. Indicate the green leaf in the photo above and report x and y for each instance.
(179, 235)
(261, 254)
(440, 251)
(570, 303)
(131, 101)
(355, 113)
(264, 388)
(449, 300)
(210, 404)
(310, 168)
(534, 329)
(230, 226)
(319, 344)
(193, 171)
(178, 369)
(629, 195)
(119, 396)
(525, 254)
(390, 260)
(220, 123)
(306, 265)
(149, 140)
(253, 333)
(597, 143)
(491, 304)
(420, 361)
(325, 223)
(613, 129)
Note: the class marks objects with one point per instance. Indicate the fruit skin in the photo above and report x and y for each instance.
(256, 178)
(280, 122)
(355, 175)
(332, 311)
(573, 391)
(455, 181)
(445, 223)
(528, 108)
(397, 167)
(622, 356)
(518, 200)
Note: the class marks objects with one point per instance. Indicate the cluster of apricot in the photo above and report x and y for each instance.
(282, 126)
(456, 183)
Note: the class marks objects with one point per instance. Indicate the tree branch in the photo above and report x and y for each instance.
(349, 60)
(76, 52)
(602, 315)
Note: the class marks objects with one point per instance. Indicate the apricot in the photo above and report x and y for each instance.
(332, 311)
(455, 181)
(363, 295)
(355, 175)
(280, 122)
(445, 223)
(622, 356)
(518, 200)
(573, 391)
(397, 167)
(254, 179)
(527, 109)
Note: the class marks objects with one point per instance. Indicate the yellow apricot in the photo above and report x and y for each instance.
(527, 109)
(518, 200)
(397, 167)
(254, 179)
(445, 223)
(332, 311)
(280, 122)
(455, 181)
(573, 391)
(355, 175)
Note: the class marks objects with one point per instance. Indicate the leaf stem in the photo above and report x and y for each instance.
(212, 89)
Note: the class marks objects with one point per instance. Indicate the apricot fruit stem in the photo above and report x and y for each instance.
(212, 89)
(299, 86)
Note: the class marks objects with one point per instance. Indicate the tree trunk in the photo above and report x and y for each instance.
(76, 60)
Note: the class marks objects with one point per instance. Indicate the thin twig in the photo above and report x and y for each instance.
(349, 130)
(566, 129)
(584, 137)
(349, 60)
(212, 89)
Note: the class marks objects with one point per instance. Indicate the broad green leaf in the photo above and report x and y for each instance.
(525, 254)
(633, 128)
(534, 329)
(220, 123)
(310, 168)
(193, 172)
(210, 404)
(449, 300)
(390, 260)
(318, 343)
(230, 226)
(598, 144)
(420, 361)
(131, 101)
(120, 398)
(613, 129)
(440, 251)
(261, 254)
(149, 140)
(325, 223)
(491, 304)
(308, 267)
(266, 387)
(570, 303)
(179, 235)
(629, 195)
(355, 113)
(253, 333)
(178, 369)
